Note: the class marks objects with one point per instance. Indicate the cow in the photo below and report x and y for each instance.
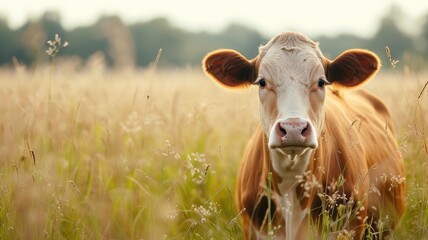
(325, 154)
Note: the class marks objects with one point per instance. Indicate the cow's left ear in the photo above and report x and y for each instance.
(352, 68)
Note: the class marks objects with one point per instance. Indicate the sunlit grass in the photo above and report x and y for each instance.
(111, 163)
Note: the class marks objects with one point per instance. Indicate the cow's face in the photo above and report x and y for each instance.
(292, 84)
(292, 76)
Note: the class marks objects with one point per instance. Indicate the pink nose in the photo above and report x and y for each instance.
(293, 132)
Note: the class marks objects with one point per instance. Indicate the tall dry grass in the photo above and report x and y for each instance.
(149, 154)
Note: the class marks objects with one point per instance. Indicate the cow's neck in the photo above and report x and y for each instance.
(288, 169)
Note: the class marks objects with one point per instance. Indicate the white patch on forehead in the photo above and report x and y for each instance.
(289, 56)
(281, 63)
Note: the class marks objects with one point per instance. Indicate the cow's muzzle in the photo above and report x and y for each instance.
(293, 136)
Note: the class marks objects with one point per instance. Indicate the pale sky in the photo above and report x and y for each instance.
(315, 17)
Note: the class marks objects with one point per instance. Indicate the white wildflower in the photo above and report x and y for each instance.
(197, 166)
(55, 46)
(396, 181)
(308, 182)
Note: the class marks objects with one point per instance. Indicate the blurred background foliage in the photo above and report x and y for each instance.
(136, 45)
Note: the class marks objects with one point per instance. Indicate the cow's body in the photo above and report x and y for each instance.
(358, 132)
(342, 161)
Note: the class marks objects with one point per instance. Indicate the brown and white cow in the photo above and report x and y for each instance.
(326, 147)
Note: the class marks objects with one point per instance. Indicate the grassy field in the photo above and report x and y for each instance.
(98, 154)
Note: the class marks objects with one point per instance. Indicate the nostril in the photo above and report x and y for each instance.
(282, 130)
(305, 132)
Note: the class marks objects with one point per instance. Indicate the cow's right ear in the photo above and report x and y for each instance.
(230, 68)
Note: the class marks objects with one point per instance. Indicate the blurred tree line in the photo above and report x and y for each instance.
(137, 45)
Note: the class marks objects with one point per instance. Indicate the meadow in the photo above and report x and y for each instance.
(153, 153)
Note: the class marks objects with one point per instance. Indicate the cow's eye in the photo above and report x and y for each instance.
(261, 83)
(322, 83)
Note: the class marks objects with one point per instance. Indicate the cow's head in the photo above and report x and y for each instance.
(292, 76)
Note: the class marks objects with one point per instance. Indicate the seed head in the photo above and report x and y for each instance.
(55, 46)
